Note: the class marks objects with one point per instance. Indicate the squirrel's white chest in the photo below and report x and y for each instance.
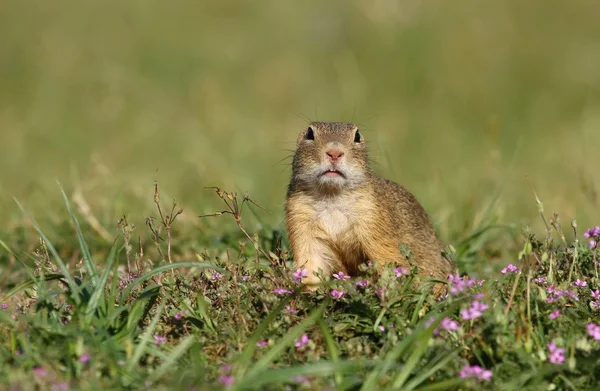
(334, 219)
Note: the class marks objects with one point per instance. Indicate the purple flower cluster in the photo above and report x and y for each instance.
(557, 355)
(362, 283)
(262, 343)
(540, 280)
(337, 294)
(554, 294)
(596, 299)
(510, 269)
(180, 314)
(290, 310)
(341, 276)
(298, 275)
(579, 283)
(594, 331)
(216, 276)
(401, 271)
(448, 325)
(593, 234)
(304, 340)
(475, 311)
(459, 285)
(128, 279)
(475, 372)
(158, 339)
(554, 314)
(226, 379)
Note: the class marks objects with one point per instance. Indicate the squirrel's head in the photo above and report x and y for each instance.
(330, 156)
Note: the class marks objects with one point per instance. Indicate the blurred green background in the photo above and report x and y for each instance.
(461, 101)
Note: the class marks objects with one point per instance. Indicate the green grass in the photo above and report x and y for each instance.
(474, 106)
(219, 321)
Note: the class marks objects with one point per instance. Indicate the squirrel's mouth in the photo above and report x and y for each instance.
(333, 174)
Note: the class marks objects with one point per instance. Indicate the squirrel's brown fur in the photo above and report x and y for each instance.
(339, 214)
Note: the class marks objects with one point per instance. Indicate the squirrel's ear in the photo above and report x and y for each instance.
(310, 134)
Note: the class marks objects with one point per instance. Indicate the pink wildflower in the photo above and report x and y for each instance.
(401, 271)
(594, 331)
(291, 310)
(226, 380)
(458, 284)
(449, 324)
(596, 294)
(40, 371)
(362, 283)
(302, 341)
(592, 232)
(341, 276)
(475, 311)
(85, 357)
(159, 339)
(510, 269)
(216, 276)
(262, 343)
(337, 294)
(557, 355)
(282, 291)
(299, 274)
(580, 283)
(554, 314)
(475, 372)
(245, 277)
(4, 306)
(540, 280)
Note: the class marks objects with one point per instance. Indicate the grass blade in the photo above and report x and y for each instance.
(422, 343)
(394, 355)
(425, 374)
(173, 357)
(99, 287)
(450, 384)
(331, 349)
(319, 369)
(61, 264)
(141, 346)
(33, 281)
(85, 250)
(246, 355)
(287, 340)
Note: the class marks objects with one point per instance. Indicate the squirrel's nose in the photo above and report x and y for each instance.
(334, 154)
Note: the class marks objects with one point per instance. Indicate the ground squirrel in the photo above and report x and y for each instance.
(339, 214)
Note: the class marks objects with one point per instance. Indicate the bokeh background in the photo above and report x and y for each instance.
(461, 102)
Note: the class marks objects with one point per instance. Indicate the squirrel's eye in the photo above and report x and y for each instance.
(357, 137)
(310, 134)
